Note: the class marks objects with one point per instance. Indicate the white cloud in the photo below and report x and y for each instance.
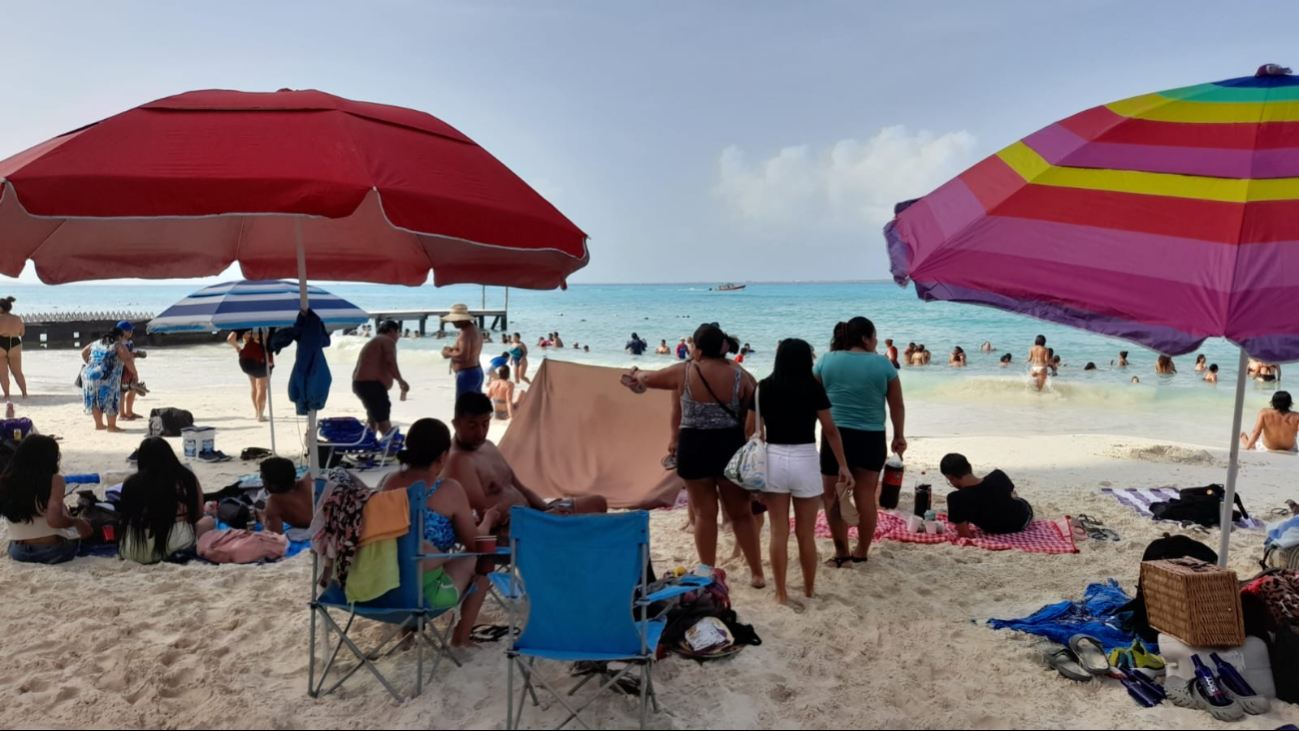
(849, 184)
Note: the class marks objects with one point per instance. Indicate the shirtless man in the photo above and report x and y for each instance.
(481, 469)
(465, 355)
(1040, 360)
(1276, 425)
(376, 369)
(291, 500)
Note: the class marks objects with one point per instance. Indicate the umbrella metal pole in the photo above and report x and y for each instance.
(313, 459)
(1228, 500)
(270, 392)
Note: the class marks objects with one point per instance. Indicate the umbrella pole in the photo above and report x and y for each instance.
(313, 459)
(270, 392)
(1228, 500)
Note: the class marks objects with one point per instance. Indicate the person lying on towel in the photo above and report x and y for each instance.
(989, 502)
(289, 500)
(488, 480)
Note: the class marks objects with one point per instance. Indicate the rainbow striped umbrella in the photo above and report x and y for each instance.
(1163, 219)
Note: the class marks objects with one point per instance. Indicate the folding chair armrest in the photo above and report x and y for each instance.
(685, 586)
(424, 556)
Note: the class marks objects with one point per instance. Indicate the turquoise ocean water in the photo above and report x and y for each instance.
(604, 316)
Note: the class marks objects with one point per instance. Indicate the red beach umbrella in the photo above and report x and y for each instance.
(188, 185)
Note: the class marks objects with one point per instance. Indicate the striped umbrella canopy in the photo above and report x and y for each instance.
(1163, 219)
(248, 305)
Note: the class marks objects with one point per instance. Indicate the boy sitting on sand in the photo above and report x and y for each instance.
(989, 502)
(290, 499)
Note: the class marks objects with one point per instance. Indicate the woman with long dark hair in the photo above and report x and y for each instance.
(714, 394)
(31, 500)
(859, 382)
(161, 512)
(101, 380)
(791, 402)
(12, 330)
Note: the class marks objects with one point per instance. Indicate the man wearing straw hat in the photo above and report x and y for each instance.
(465, 355)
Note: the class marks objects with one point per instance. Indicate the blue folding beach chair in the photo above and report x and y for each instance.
(347, 441)
(579, 576)
(403, 608)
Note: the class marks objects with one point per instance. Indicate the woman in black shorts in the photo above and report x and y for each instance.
(255, 364)
(859, 382)
(715, 395)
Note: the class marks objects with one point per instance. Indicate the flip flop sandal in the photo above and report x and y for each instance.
(1090, 653)
(1079, 532)
(1066, 663)
(670, 462)
(489, 633)
(630, 381)
(839, 562)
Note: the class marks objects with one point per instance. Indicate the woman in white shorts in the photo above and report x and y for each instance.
(792, 401)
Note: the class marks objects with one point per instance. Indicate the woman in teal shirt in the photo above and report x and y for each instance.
(859, 382)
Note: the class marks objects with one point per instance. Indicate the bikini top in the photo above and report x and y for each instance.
(438, 529)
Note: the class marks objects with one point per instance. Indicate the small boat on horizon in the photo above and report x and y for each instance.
(731, 287)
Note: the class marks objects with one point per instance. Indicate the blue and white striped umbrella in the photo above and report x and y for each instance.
(250, 305)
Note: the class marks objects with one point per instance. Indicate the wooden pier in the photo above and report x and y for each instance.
(500, 318)
(77, 329)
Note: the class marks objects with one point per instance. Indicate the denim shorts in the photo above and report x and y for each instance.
(46, 553)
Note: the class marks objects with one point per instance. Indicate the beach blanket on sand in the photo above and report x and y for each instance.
(1042, 536)
(1096, 615)
(1140, 499)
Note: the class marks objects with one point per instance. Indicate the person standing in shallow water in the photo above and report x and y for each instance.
(715, 395)
(1039, 360)
(859, 382)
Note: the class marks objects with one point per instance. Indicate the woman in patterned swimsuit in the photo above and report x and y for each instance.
(448, 522)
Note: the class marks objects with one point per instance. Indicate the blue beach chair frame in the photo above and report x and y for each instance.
(403, 608)
(579, 576)
(374, 448)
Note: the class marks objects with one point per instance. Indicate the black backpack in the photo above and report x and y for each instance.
(169, 422)
(1284, 650)
(1162, 549)
(1201, 505)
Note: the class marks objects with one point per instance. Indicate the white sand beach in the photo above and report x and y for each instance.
(897, 643)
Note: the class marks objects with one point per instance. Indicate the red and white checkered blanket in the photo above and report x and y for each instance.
(1041, 536)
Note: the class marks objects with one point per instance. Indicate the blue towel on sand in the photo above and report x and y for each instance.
(1096, 615)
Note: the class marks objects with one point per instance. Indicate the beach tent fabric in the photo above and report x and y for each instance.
(185, 186)
(1163, 219)
(254, 305)
(580, 432)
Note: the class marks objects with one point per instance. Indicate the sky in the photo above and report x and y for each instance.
(692, 141)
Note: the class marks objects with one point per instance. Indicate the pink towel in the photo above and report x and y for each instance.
(1041, 536)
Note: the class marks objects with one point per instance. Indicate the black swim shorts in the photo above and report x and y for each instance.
(374, 396)
(865, 450)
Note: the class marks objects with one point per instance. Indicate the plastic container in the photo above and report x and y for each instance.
(198, 439)
(1251, 660)
(891, 485)
(924, 499)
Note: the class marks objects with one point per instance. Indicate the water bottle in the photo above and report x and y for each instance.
(891, 488)
(1231, 678)
(1208, 684)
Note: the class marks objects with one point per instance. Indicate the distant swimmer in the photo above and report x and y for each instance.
(1266, 372)
(1201, 363)
(958, 358)
(636, 346)
(891, 352)
(683, 350)
(663, 348)
(1089, 367)
(987, 348)
(1006, 360)
(1136, 379)
(1212, 375)
(556, 339)
(1040, 361)
(1276, 427)
(910, 351)
(1164, 366)
(921, 356)
(1123, 359)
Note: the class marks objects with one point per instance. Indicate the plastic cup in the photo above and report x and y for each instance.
(486, 545)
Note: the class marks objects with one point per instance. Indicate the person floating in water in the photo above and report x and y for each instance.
(1089, 367)
(987, 348)
(1276, 427)
(1006, 360)
(1212, 375)
(1122, 362)
(957, 358)
(1165, 367)
(1201, 363)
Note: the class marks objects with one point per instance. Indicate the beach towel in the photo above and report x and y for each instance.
(1041, 536)
(336, 530)
(1097, 615)
(241, 546)
(1140, 500)
(580, 432)
(375, 571)
(386, 516)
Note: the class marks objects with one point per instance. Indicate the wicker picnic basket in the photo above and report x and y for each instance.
(1196, 602)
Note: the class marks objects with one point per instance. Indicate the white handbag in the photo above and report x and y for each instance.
(748, 468)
